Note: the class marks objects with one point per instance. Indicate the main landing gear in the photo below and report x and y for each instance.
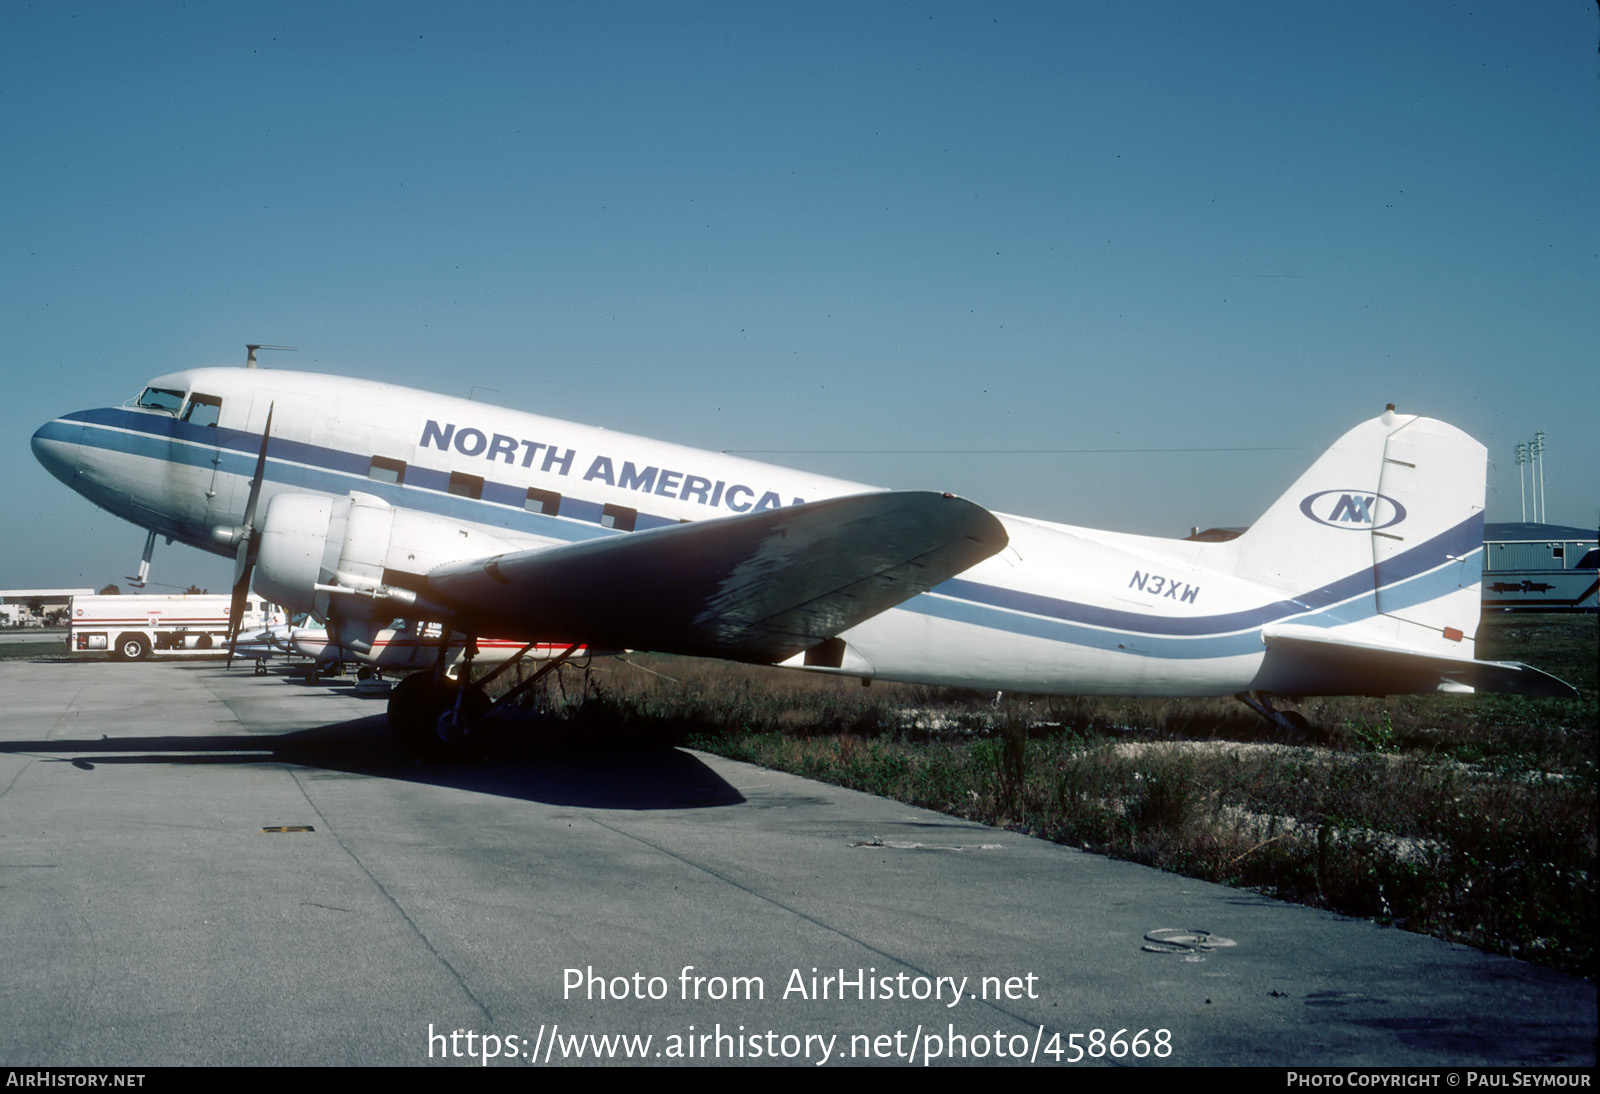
(435, 717)
(442, 719)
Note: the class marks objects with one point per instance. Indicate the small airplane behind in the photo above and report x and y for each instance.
(401, 647)
(407, 646)
(361, 502)
(261, 646)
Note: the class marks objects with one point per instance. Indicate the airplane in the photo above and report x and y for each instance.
(261, 646)
(397, 647)
(404, 645)
(359, 502)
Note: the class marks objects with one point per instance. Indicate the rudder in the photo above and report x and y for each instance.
(1389, 520)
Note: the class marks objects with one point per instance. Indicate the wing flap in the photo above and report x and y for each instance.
(1306, 661)
(760, 587)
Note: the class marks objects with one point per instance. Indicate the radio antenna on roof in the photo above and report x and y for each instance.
(250, 358)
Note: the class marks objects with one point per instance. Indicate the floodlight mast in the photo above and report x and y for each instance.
(1538, 450)
(1522, 477)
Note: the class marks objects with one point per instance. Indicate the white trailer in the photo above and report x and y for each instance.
(131, 628)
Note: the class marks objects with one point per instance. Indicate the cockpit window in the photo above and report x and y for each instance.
(203, 410)
(160, 398)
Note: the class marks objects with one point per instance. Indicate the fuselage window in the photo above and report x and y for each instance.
(160, 398)
(203, 410)
(619, 517)
(542, 501)
(466, 486)
(384, 469)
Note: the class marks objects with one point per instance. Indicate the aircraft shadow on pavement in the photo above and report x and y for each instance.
(520, 761)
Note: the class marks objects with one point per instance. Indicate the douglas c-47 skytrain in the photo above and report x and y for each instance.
(362, 502)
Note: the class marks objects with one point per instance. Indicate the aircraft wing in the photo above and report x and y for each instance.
(1308, 661)
(760, 587)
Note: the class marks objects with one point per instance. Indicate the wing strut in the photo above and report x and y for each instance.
(457, 722)
(544, 670)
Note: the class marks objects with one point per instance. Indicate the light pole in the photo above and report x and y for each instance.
(1522, 477)
(1538, 451)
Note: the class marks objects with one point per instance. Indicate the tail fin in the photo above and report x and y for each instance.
(1382, 543)
(1385, 532)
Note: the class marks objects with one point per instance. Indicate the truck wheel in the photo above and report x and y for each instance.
(132, 647)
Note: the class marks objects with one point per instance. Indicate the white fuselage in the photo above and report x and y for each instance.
(1061, 609)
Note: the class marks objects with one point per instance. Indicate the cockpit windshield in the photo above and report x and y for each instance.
(160, 398)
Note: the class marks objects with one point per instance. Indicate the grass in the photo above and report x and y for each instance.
(1469, 818)
(55, 646)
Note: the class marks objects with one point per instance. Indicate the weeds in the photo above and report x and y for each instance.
(1470, 819)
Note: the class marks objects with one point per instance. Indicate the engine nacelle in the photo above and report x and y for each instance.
(294, 540)
(328, 556)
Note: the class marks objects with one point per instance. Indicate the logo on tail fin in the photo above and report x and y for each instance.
(1355, 510)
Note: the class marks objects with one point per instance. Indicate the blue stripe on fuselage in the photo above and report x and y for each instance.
(1443, 550)
(298, 465)
(1091, 626)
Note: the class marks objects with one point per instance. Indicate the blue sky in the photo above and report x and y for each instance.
(771, 227)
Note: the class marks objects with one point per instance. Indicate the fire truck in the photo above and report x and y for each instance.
(131, 628)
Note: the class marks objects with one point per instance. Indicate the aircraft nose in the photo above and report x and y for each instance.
(57, 446)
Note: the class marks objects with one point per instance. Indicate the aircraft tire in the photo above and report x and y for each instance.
(457, 736)
(132, 647)
(416, 706)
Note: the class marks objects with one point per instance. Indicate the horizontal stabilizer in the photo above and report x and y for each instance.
(1307, 661)
(760, 587)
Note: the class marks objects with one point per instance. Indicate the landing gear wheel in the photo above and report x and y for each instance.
(457, 731)
(423, 715)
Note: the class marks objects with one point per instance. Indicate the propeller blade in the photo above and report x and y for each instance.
(241, 592)
(244, 559)
(260, 474)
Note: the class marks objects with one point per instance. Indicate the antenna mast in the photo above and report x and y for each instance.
(250, 354)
